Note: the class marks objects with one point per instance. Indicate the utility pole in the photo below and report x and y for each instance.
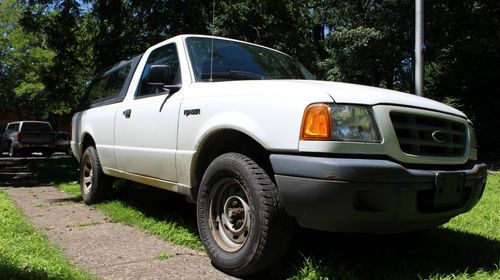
(419, 47)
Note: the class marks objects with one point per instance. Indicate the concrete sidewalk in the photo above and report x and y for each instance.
(108, 250)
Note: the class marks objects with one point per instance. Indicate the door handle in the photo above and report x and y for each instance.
(127, 113)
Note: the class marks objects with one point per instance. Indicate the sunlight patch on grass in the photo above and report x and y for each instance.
(71, 188)
(478, 275)
(27, 254)
(171, 231)
(484, 218)
(118, 211)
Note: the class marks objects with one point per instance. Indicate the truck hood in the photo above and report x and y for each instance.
(323, 91)
(366, 95)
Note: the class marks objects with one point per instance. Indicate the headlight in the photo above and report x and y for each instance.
(339, 122)
(473, 142)
(353, 123)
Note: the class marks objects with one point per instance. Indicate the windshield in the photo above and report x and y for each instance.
(240, 61)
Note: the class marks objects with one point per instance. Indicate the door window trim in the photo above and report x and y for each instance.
(179, 86)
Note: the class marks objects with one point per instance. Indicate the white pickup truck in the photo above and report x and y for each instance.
(248, 134)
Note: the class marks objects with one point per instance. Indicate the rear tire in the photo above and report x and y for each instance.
(241, 223)
(94, 184)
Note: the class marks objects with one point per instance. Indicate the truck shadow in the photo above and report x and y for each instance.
(36, 171)
(440, 251)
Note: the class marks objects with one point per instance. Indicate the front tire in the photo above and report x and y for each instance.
(241, 223)
(94, 184)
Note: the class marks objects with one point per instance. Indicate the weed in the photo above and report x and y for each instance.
(163, 256)
(86, 224)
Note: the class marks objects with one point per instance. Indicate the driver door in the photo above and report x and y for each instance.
(146, 125)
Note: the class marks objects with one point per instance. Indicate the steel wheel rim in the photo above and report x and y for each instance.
(230, 215)
(88, 174)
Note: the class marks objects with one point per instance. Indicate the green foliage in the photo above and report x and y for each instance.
(351, 53)
(311, 271)
(50, 49)
(27, 254)
(25, 59)
(367, 42)
(59, 23)
(463, 55)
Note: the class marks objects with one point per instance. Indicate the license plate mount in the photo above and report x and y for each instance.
(448, 188)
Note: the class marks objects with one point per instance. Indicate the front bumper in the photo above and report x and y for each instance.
(368, 195)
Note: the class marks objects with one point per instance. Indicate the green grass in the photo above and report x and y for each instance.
(163, 256)
(468, 247)
(27, 254)
(71, 188)
(484, 219)
(169, 230)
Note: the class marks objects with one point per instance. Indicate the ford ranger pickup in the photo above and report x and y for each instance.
(249, 135)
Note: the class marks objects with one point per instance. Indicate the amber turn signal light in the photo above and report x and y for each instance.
(316, 123)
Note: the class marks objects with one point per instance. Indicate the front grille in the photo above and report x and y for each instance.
(415, 135)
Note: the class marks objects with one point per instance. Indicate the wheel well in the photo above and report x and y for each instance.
(87, 141)
(225, 141)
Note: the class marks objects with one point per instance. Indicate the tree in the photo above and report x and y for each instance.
(362, 41)
(463, 55)
(280, 24)
(368, 42)
(24, 62)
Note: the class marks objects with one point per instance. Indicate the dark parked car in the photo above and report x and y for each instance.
(63, 143)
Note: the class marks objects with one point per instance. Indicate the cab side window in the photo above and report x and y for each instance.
(167, 56)
(109, 85)
(13, 127)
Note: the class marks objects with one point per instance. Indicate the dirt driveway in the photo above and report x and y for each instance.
(106, 249)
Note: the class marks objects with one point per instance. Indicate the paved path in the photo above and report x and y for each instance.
(108, 250)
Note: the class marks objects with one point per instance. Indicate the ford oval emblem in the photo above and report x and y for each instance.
(439, 136)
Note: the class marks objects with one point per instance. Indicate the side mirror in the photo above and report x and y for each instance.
(158, 75)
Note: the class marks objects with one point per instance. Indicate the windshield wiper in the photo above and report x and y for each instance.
(233, 75)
